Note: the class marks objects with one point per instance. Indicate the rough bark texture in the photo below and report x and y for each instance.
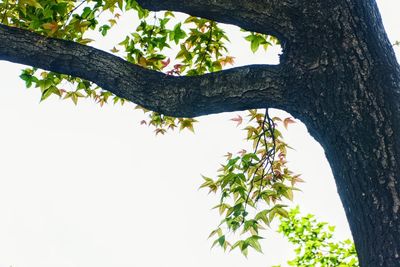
(338, 75)
(235, 89)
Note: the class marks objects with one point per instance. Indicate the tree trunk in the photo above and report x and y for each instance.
(350, 101)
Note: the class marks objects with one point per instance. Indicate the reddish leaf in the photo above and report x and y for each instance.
(227, 60)
(165, 62)
(177, 66)
(160, 131)
(52, 26)
(288, 121)
(242, 152)
(238, 120)
(297, 179)
(228, 155)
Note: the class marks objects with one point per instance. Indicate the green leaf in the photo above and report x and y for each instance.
(48, 92)
(254, 243)
(177, 33)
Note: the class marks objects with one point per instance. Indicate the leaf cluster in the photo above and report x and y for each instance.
(315, 244)
(253, 185)
(258, 40)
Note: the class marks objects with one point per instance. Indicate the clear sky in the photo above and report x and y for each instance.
(87, 186)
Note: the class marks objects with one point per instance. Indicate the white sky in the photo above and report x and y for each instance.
(88, 186)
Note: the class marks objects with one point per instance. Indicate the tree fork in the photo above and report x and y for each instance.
(348, 94)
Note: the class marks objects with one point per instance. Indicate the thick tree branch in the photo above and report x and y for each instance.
(235, 89)
(272, 17)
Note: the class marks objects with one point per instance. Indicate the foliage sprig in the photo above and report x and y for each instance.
(253, 185)
(315, 243)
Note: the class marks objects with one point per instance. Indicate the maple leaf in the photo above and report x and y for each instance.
(288, 121)
(165, 62)
(238, 120)
(242, 152)
(52, 26)
(187, 123)
(142, 62)
(114, 50)
(296, 179)
(177, 66)
(112, 22)
(228, 155)
(160, 131)
(227, 60)
(85, 41)
(276, 119)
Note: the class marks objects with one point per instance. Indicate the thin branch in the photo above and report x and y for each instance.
(265, 157)
(267, 161)
(68, 15)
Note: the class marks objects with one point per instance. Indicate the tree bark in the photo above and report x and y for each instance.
(235, 89)
(338, 75)
(350, 102)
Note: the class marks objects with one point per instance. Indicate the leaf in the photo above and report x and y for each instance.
(142, 62)
(45, 84)
(288, 121)
(85, 41)
(207, 183)
(112, 22)
(177, 33)
(165, 63)
(48, 92)
(288, 194)
(160, 131)
(228, 155)
(114, 50)
(242, 152)
(187, 123)
(282, 212)
(238, 120)
(262, 215)
(254, 45)
(220, 241)
(169, 14)
(296, 179)
(227, 60)
(254, 243)
(52, 26)
(104, 29)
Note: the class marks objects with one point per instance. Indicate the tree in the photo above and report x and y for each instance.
(314, 245)
(337, 73)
